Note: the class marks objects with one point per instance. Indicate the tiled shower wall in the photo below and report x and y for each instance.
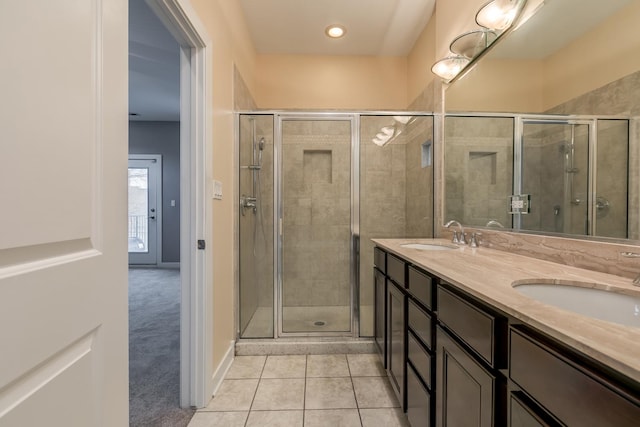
(317, 217)
(396, 195)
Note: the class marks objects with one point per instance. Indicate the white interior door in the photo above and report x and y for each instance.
(63, 162)
(145, 202)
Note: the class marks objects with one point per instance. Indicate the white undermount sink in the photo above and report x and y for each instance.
(585, 299)
(436, 246)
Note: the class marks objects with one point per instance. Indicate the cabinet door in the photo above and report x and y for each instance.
(396, 342)
(465, 391)
(379, 283)
(418, 401)
(520, 415)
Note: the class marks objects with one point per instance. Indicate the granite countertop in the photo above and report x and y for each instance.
(488, 274)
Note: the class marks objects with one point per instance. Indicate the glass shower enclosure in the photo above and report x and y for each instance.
(314, 189)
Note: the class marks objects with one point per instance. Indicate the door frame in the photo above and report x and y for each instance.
(157, 158)
(196, 308)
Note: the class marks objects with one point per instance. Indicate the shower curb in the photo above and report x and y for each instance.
(303, 346)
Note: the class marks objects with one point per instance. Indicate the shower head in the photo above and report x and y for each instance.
(261, 144)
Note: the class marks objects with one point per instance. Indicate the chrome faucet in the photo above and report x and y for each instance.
(458, 236)
(636, 281)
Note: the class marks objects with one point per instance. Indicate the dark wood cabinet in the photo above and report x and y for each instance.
(522, 415)
(465, 390)
(380, 302)
(418, 400)
(397, 338)
(565, 387)
(481, 367)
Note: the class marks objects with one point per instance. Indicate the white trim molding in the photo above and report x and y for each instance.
(196, 323)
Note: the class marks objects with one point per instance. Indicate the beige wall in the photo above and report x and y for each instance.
(230, 45)
(607, 53)
(501, 87)
(420, 60)
(331, 82)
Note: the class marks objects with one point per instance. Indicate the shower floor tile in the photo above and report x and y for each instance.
(316, 319)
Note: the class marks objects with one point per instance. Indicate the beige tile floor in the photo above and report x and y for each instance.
(303, 390)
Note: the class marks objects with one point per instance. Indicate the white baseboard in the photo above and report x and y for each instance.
(223, 367)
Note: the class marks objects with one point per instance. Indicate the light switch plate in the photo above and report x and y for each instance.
(217, 190)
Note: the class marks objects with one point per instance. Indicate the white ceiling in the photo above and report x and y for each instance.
(374, 27)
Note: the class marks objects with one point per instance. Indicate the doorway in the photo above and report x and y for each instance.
(193, 117)
(145, 210)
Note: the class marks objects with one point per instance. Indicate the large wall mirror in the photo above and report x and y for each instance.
(550, 115)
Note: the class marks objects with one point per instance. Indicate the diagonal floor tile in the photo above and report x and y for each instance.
(332, 417)
(279, 394)
(275, 419)
(365, 365)
(329, 393)
(327, 365)
(246, 367)
(234, 395)
(374, 392)
(388, 417)
(218, 419)
(285, 367)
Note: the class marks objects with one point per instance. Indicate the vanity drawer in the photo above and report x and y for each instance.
(420, 323)
(470, 323)
(421, 287)
(418, 401)
(380, 259)
(396, 269)
(573, 395)
(420, 359)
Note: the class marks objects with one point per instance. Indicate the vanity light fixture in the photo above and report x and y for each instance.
(498, 14)
(335, 31)
(449, 67)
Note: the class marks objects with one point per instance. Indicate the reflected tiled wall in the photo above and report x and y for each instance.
(478, 165)
(619, 97)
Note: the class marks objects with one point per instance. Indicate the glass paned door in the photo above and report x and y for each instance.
(143, 218)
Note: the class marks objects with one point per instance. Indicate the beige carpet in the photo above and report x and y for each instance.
(154, 349)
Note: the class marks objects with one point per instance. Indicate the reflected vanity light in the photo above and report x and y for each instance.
(389, 133)
(498, 14)
(449, 67)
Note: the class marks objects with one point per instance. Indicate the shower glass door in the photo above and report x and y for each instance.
(555, 173)
(316, 261)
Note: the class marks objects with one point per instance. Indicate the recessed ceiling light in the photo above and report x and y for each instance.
(335, 31)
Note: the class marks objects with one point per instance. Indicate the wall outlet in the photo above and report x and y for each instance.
(217, 190)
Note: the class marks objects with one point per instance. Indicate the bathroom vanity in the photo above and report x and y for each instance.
(462, 346)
